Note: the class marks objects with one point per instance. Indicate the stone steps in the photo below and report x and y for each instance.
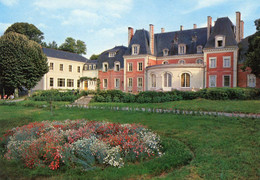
(83, 100)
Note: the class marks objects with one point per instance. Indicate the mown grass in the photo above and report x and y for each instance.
(243, 106)
(223, 148)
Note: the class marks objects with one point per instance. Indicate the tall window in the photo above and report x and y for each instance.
(199, 49)
(78, 83)
(78, 69)
(130, 67)
(90, 67)
(219, 41)
(153, 80)
(165, 52)
(51, 66)
(61, 82)
(61, 67)
(167, 80)
(212, 62)
(94, 66)
(226, 62)
(105, 67)
(139, 82)
(51, 82)
(185, 80)
(135, 49)
(104, 83)
(70, 83)
(70, 68)
(117, 83)
(140, 66)
(182, 49)
(251, 80)
(130, 82)
(117, 66)
(212, 81)
(226, 80)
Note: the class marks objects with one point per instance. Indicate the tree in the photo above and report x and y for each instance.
(22, 61)
(29, 30)
(94, 57)
(253, 52)
(71, 45)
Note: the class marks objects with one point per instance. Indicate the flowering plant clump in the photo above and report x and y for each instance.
(80, 143)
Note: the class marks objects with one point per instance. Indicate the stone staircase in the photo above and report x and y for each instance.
(83, 100)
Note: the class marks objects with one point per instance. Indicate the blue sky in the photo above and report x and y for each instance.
(102, 24)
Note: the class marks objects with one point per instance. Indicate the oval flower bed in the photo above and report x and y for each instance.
(80, 143)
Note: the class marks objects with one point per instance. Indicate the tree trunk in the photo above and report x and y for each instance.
(29, 92)
(16, 94)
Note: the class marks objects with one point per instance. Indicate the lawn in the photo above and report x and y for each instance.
(221, 147)
(243, 106)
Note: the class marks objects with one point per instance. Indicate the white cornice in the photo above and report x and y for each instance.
(136, 56)
(227, 49)
(180, 56)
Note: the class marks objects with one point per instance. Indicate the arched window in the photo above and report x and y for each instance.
(167, 80)
(165, 62)
(199, 61)
(181, 61)
(153, 80)
(185, 80)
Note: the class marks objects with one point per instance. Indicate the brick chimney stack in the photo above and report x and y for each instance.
(241, 30)
(181, 28)
(130, 34)
(238, 21)
(162, 30)
(194, 26)
(209, 25)
(151, 33)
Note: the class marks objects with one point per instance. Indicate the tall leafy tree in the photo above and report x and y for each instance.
(253, 52)
(29, 30)
(71, 45)
(22, 61)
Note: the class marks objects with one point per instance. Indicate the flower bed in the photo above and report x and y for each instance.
(80, 143)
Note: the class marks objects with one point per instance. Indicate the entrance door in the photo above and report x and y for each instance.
(85, 85)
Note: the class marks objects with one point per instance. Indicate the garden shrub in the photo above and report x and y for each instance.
(80, 143)
(55, 95)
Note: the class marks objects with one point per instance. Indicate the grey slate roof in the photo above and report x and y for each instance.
(103, 57)
(166, 40)
(140, 37)
(91, 62)
(223, 26)
(63, 55)
(243, 47)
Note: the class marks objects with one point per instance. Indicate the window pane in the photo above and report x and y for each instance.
(169, 80)
(226, 81)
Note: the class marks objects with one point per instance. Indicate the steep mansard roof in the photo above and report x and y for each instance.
(63, 55)
(104, 57)
(170, 40)
(223, 26)
(141, 37)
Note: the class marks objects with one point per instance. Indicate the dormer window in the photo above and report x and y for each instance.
(219, 41)
(105, 67)
(94, 66)
(199, 49)
(135, 49)
(117, 66)
(182, 49)
(111, 54)
(165, 52)
(181, 61)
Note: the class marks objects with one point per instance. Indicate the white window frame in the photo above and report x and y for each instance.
(115, 83)
(182, 49)
(78, 69)
(78, 83)
(128, 83)
(51, 80)
(185, 80)
(117, 64)
(70, 82)
(103, 67)
(70, 68)
(153, 80)
(105, 87)
(61, 67)
(249, 77)
(229, 58)
(128, 67)
(182, 61)
(111, 54)
(139, 82)
(61, 80)
(197, 61)
(223, 80)
(210, 64)
(138, 66)
(165, 52)
(215, 80)
(94, 67)
(166, 84)
(90, 67)
(135, 49)
(199, 49)
(51, 66)
(165, 62)
(219, 38)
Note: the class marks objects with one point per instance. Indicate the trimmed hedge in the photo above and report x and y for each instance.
(55, 95)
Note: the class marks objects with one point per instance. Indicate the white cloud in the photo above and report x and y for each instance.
(9, 2)
(111, 32)
(3, 27)
(42, 25)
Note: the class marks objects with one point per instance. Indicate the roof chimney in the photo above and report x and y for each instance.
(209, 25)
(151, 33)
(130, 34)
(238, 20)
(162, 30)
(194, 26)
(241, 30)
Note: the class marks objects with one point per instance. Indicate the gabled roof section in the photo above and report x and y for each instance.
(103, 57)
(170, 40)
(63, 55)
(141, 37)
(223, 26)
